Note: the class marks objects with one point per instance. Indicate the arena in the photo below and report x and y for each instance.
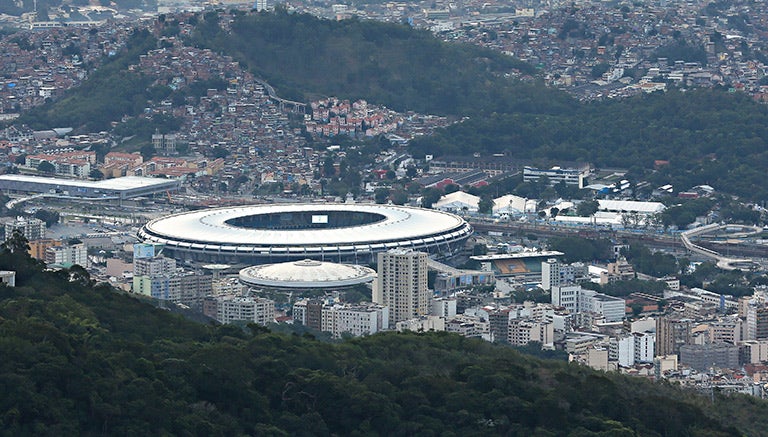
(345, 233)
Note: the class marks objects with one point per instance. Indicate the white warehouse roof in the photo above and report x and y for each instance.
(631, 206)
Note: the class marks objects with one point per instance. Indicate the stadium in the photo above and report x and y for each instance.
(344, 233)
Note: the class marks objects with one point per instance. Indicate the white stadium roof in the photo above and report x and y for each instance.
(306, 274)
(375, 228)
(117, 184)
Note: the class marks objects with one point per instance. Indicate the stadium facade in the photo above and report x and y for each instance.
(344, 233)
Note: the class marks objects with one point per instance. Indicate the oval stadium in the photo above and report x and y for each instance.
(347, 233)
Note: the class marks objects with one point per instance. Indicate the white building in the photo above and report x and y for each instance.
(578, 300)
(566, 296)
(612, 309)
(513, 205)
(402, 284)
(156, 266)
(63, 255)
(555, 175)
(245, 308)
(524, 331)
(645, 344)
(31, 228)
(444, 307)
(357, 320)
(554, 273)
(421, 324)
(457, 202)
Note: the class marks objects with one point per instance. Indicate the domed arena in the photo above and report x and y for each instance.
(344, 233)
(306, 275)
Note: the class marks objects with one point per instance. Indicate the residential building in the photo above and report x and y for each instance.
(67, 255)
(554, 273)
(671, 334)
(358, 320)
(402, 284)
(37, 248)
(31, 228)
(705, 356)
(156, 266)
(257, 310)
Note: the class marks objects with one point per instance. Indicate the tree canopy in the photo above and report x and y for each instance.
(80, 359)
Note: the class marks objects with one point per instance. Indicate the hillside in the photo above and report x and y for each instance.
(392, 64)
(708, 136)
(84, 360)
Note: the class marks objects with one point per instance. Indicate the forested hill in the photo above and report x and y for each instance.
(85, 360)
(391, 64)
(708, 136)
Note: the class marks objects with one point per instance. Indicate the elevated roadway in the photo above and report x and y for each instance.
(723, 262)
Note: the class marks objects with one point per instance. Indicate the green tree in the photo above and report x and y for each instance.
(46, 167)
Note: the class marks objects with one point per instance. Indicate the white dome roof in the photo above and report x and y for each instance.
(306, 274)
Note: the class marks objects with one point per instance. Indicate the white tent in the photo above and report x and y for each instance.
(458, 201)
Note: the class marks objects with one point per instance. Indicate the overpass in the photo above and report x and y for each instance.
(723, 262)
(283, 104)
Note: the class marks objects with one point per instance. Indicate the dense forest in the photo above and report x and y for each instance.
(80, 359)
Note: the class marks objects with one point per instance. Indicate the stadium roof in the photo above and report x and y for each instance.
(395, 223)
(306, 274)
(116, 184)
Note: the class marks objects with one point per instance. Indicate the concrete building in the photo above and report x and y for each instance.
(578, 300)
(422, 324)
(67, 255)
(156, 266)
(753, 351)
(37, 248)
(402, 284)
(524, 331)
(566, 296)
(444, 307)
(245, 308)
(726, 330)
(358, 320)
(554, 273)
(31, 228)
(671, 334)
(705, 356)
(555, 175)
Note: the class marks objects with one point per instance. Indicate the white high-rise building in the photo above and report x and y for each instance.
(261, 5)
(402, 284)
(554, 273)
(31, 228)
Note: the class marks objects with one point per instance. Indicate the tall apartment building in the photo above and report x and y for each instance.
(402, 284)
(671, 334)
(72, 254)
(31, 228)
(554, 273)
